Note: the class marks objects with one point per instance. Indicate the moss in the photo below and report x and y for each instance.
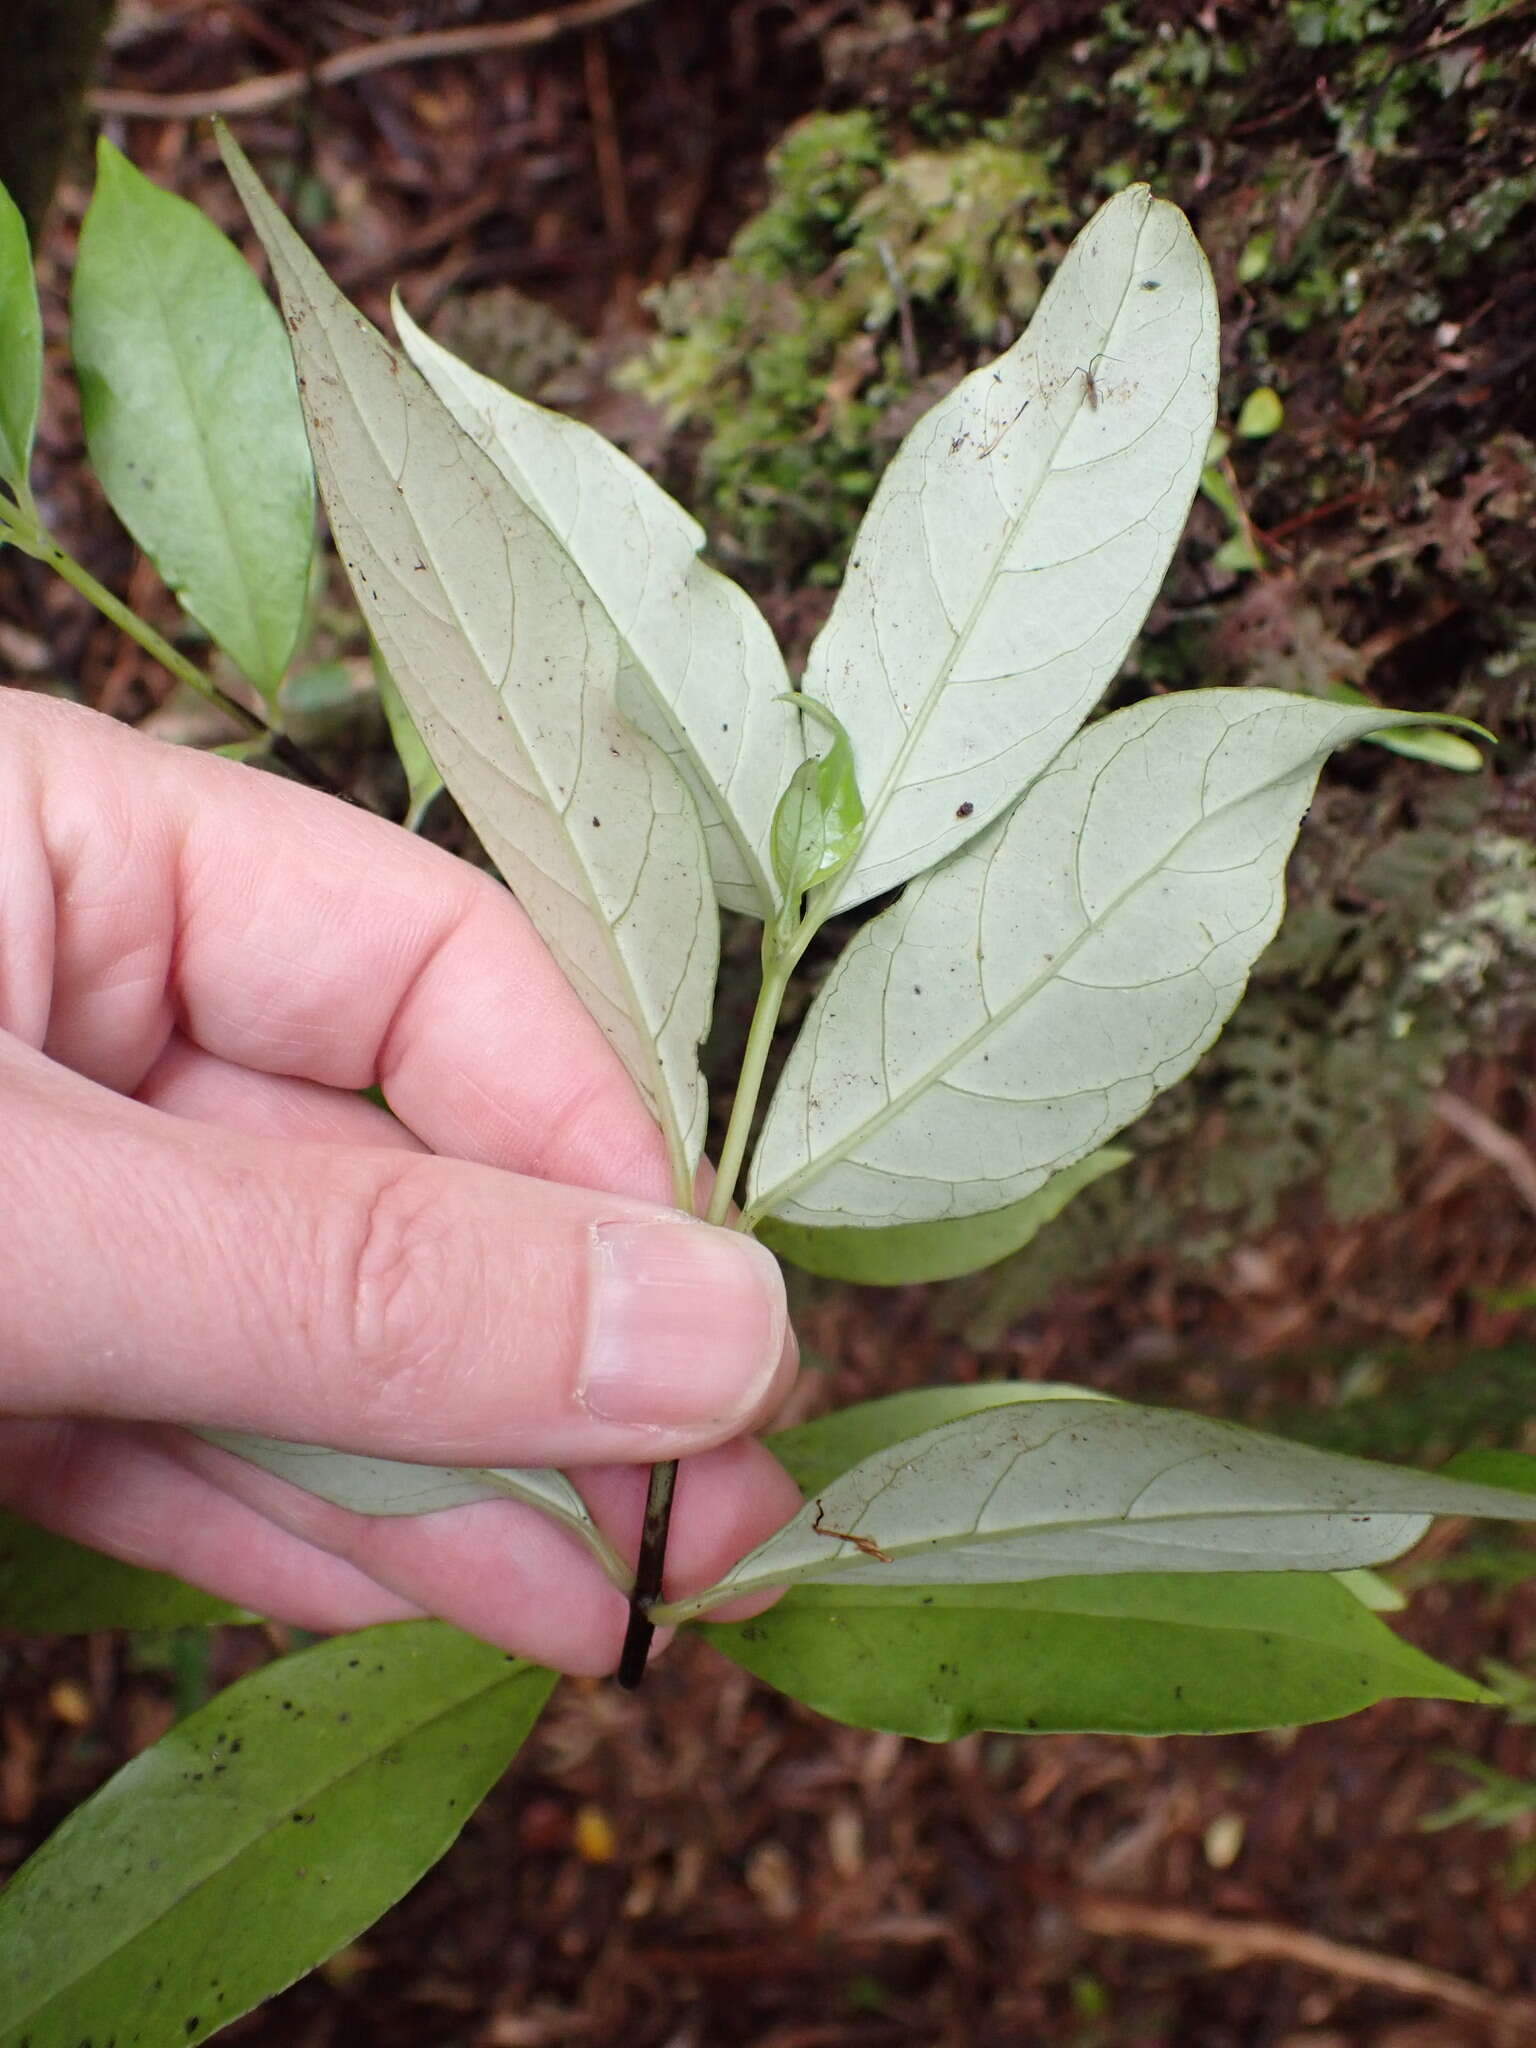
(817, 174)
(862, 286)
(1168, 80)
(878, 271)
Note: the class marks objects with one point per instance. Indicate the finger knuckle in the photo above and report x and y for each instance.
(395, 1278)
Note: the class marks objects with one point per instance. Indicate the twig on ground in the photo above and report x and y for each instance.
(258, 95)
(611, 182)
(1492, 1140)
(1230, 1943)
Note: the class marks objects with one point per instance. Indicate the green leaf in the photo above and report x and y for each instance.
(1017, 540)
(703, 677)
(1497, 1800)
(903, 1254)
(324, 694)
(1439, 748)
(1427, 741)
(820, 819)
(589, 822)
(1253, 260)
(422, 781)
(1159, 1654)
(391, 1486)
(1237, 553)
(1520, 1867)
(21, 346)
(1514, 1469)
(1029, 998)
(50, 1586)
(1055, 1488)
(1261, 416)
(191, 417)
(261, 1834)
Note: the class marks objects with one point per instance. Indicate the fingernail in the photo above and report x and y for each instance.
(686, 1328)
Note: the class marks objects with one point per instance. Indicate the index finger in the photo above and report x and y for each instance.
(293, 935)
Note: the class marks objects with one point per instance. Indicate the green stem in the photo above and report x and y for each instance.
(673, 1613)
(33, 539)
(778, 965)
(20, 526)
(782, 947)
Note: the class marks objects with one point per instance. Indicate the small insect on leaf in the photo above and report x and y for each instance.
(820, 818)
(1091, 386)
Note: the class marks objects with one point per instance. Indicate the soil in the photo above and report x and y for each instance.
(706, 1864)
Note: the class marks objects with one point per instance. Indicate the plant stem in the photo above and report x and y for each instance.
(40, 544)
(781, 949)
(777, 966)
(649, 1567)
(20, 526)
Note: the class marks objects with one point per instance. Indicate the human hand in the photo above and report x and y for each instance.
(203, 1223)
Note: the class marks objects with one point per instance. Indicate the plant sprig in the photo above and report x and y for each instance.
(1081, 902)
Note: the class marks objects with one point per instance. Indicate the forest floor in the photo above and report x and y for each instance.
(705, 1863)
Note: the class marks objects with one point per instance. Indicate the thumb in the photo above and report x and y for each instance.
(369, 1300)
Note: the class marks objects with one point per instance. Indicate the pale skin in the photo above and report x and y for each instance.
(203, 1223)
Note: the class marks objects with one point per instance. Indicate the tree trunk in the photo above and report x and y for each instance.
(47, 58)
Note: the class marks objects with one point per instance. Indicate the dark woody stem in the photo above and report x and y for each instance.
(648, 1571)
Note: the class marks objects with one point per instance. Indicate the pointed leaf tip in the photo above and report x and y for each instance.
(703, 676)
(512, 672)
(1017, 540)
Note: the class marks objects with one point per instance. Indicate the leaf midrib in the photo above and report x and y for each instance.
(649, 1042)
(765, 1203)
(260, 1834)
(876, 810)
(832, 1568)
(528, 492)
(676, 1139)
(195, 414)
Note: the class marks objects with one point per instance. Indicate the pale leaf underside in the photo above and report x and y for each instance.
(1054, 1488)
(389, 1486)
(1028, 999)
(703, 670)
(913, 1254)
(512, 673)
(1017, 540)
